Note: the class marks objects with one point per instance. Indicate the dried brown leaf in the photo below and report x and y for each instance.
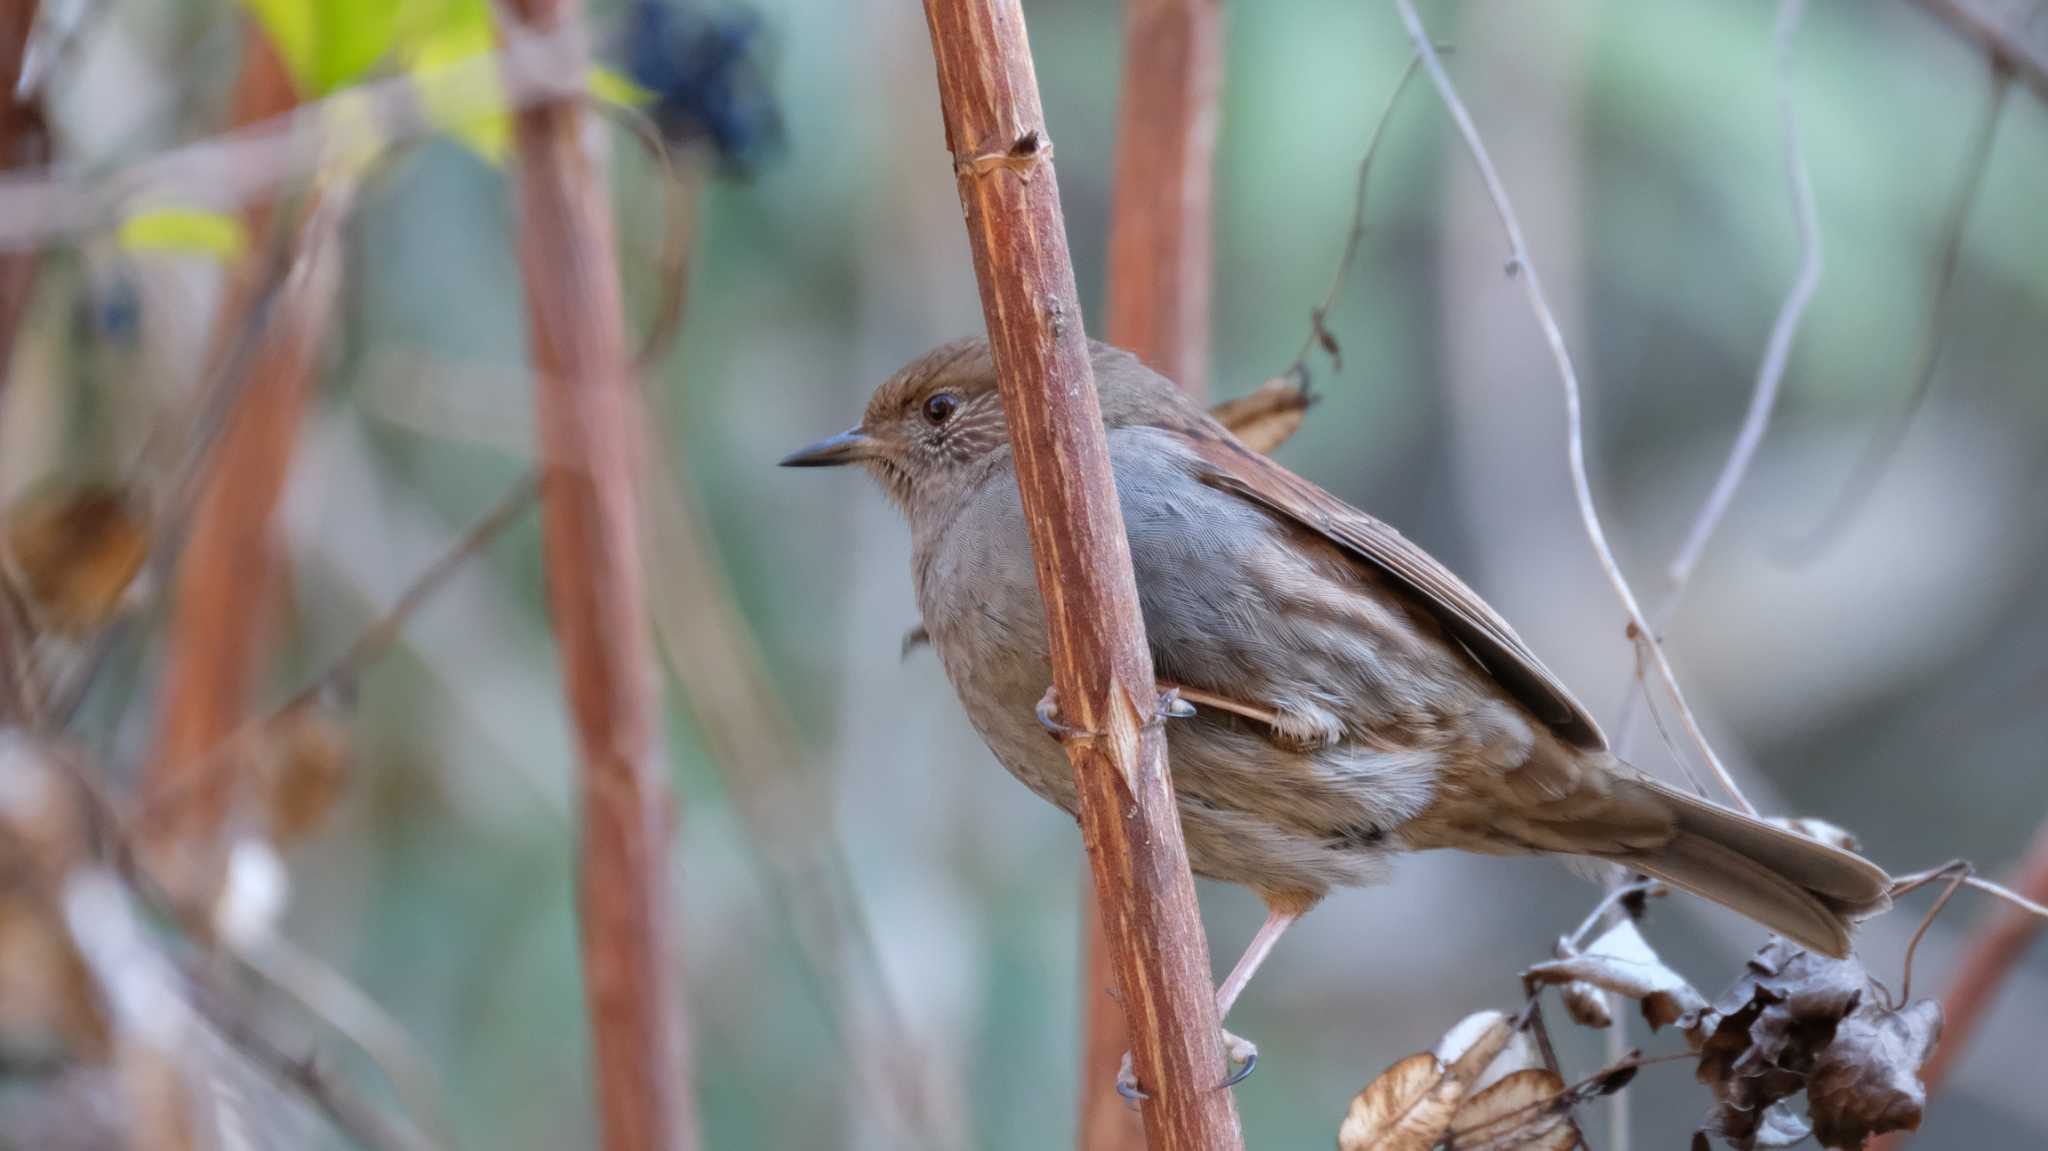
(1622, 961)
(1267, 417)
(1524, 1110)
(1408, 1108)
(1586, 1004)
(1867, 1082)
(73, 551)
(1798, 1021)
(1469, 1048)
(302, 757)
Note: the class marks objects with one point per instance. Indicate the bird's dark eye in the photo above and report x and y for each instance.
(940, 407)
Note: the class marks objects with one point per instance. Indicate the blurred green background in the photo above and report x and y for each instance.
(1891, 683)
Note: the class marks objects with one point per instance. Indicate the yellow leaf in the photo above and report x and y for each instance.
(617, 88)
(437, 37)
(1408, 1108)
(185, 230)
(327, 44)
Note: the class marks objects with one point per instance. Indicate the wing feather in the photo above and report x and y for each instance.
(1491, 641)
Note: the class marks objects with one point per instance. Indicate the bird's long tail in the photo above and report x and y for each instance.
(1803, 889)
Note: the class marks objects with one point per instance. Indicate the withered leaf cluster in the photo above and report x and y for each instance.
(1795, 1021)
(1795, 1028)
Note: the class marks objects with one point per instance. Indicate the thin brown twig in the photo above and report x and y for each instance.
(1318, 333)
(340, 675)
(1613, 897)
(1919, 879)
(1958, 874)
(1520, 266)
(338, 678)
(1879, 452)
(1572, 1094)
(1531, 1020)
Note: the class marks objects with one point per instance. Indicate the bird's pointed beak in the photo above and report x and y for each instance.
(849, 446)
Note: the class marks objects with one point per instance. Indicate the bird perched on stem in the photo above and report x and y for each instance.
(1351, 698)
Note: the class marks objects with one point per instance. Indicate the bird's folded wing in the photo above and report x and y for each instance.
(1234, 468)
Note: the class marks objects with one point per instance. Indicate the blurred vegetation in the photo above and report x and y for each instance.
(1891, 685)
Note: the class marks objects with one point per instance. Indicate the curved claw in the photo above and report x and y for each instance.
(1243, 1073)
(1172, 706)
(1048, 715)
(1127, 1083)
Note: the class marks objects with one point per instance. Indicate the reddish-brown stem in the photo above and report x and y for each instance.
(1159, 244)
(1102, 669)
(229, 564)
(1159, 231)
(1988, 958)
(589, 421)
(24, 142)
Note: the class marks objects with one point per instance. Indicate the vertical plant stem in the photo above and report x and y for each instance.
(1102, 669)
(1159, 303)
(24, 142)
(1159, 230)
(589, 417)
(229, 565)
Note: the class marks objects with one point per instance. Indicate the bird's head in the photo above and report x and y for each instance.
(936, 424)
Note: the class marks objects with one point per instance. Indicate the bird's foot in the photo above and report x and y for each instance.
(1127, 1083)
(1241, 1053)
(1171, 706)
(1048, 711)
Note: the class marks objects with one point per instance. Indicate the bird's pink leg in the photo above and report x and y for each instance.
(1276, 925)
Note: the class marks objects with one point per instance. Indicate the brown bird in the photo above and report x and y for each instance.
(1352, 698)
